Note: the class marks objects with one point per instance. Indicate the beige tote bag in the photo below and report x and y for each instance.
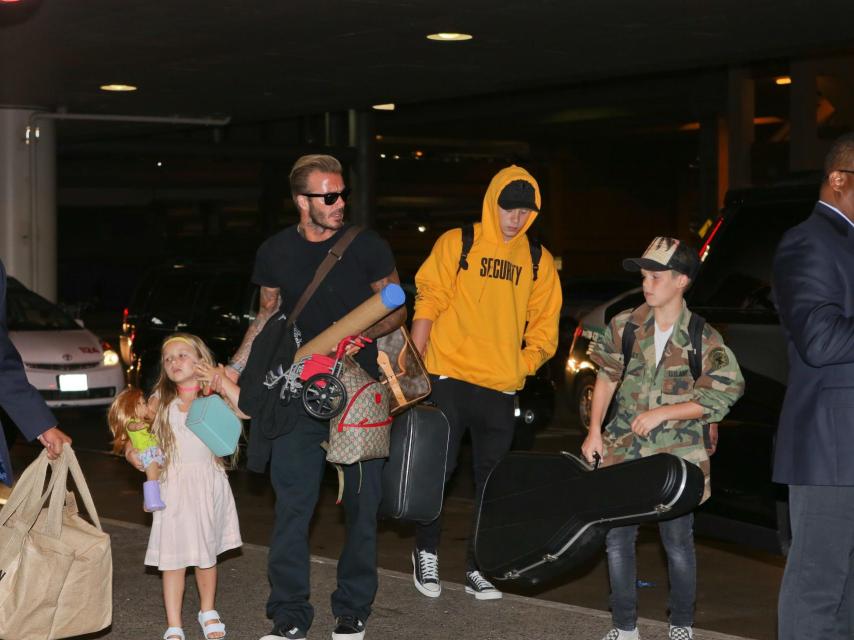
(55, 568)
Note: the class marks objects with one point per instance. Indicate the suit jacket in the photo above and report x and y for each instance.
(814, 290)
(18, 398)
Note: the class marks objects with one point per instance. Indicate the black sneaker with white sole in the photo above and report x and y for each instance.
(348, 628)
(286, 631)
(480, 587)
(425, 573)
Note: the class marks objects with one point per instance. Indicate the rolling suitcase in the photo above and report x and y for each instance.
(414, 474)
(544, 514)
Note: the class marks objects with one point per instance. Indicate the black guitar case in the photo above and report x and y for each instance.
(543, 514)
(414, 474)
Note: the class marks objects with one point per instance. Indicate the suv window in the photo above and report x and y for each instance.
(226, 300)
(173, 297)
(737, 272)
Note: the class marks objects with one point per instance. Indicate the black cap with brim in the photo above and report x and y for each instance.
(518, 194)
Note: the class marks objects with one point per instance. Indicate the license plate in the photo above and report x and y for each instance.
(73, 382)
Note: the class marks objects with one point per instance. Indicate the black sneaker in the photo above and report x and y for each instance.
(480, 587)
(681, 633)
(348, 628)
(287, 630)
(425, 573)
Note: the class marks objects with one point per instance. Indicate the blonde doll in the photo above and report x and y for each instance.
(130, 424)
(201, 521)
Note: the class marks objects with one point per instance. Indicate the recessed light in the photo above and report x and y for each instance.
(422, 228)
(783, 80)
(384, 107)
(449, 37)
(118, 87)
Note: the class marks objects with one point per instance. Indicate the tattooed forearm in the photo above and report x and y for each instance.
(269, 304)
(393, 320)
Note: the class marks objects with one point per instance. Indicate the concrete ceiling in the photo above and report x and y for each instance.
(274, 58)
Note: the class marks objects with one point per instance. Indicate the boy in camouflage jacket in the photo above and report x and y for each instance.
(659, 408)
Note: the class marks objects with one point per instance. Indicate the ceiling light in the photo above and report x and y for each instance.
(422, 228)
(783, 80)
(449, 37)
(118, 87)
(384, 107)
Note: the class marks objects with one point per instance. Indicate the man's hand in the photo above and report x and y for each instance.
(53, 440)
(646, 422)
(232, 374)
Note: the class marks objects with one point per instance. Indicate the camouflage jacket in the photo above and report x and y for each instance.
(647, 386)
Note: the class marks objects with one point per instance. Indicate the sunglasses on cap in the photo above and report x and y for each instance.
(331, 197)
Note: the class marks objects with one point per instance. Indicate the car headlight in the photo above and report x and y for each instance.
(111, 358)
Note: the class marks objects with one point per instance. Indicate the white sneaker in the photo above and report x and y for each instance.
(425, 573)
(619, 634)
(480, 587)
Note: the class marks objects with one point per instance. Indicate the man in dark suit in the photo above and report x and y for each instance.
(21, 402)
(814, 289)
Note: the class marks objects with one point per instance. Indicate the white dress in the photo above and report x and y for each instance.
(200, 518)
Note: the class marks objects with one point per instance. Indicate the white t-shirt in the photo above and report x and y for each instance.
(661, 338)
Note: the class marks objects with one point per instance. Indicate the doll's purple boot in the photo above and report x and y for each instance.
(151, 495)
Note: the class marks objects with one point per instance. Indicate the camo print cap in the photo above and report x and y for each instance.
(663, 254)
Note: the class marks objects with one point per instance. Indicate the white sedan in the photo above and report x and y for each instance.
(69, 365)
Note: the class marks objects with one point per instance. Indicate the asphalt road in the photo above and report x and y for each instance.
(737, 586)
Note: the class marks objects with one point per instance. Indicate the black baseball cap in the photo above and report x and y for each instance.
(664, 254)
(519, 194)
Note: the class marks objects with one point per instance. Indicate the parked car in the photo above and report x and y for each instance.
(219, 303)
(733, 293)
(69, 365)
(215, 302)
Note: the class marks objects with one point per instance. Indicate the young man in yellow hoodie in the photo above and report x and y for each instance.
(483, 323)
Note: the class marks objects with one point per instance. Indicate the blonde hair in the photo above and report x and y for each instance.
(305, 166)
(167, 391)
(122, 412)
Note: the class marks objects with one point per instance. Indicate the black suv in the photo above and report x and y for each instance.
(217, 303)
(733, 292)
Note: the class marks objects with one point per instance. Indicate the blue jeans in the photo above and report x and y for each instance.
(677, 536)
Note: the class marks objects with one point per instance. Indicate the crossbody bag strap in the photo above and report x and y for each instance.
(323, 269)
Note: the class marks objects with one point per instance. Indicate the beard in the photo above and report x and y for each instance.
(326, 220)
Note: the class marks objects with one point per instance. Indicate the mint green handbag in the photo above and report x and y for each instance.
(215, 424)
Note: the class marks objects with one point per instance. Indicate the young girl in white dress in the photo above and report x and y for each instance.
(201, 521)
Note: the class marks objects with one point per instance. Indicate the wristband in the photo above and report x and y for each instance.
(237, 366)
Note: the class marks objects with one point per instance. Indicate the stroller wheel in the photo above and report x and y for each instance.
(324, 396)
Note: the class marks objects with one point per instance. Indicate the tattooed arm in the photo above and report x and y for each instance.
(393, 320)
(270, 300)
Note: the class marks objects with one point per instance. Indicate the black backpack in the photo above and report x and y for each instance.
(468, 240)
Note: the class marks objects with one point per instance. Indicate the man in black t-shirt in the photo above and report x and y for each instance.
(284, 265)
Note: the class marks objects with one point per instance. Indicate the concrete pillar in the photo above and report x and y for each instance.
(28, 199)
(741, 109)
(363, 174)
(804, 149)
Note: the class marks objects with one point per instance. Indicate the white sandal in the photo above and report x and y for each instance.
(216, 627)
(174, 632)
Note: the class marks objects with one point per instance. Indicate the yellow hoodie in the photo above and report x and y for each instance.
(481, 315)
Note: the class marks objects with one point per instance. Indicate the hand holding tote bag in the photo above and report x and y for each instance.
(55, 568)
